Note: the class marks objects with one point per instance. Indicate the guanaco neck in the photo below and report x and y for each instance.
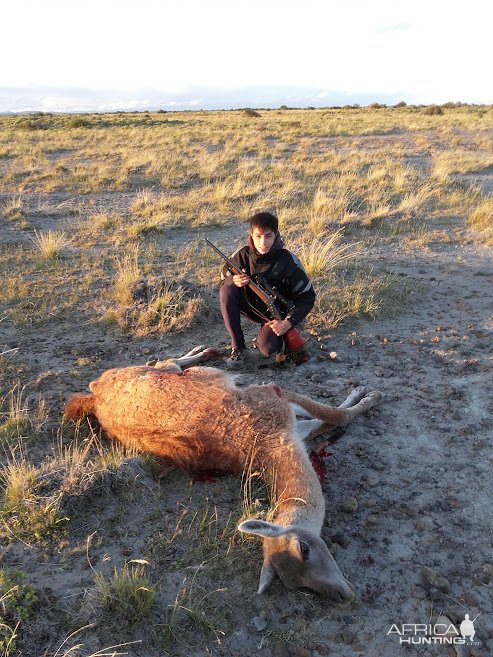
(297, 497)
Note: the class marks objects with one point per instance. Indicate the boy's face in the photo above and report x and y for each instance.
(263, 239)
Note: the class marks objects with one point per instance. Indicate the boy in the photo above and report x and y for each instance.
(265, 254)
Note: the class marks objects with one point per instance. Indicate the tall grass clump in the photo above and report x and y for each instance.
(16, 419)
(481, 219)
(13, 414)
(128, 273)
(127, 596)
(25, 513)
(171, 309)
(321, 258)
(49, 244)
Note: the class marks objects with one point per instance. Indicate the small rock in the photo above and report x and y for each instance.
(419, 592)
(285, 610)
(300, 651)
(469, 599)
(281, 649)
(333, 355)
(488, 568)
(321, 649)
(350, 505)
(372, 479)
(358, 647)
(340, 539)
(344, 636)
(433, 578)
(259, 623)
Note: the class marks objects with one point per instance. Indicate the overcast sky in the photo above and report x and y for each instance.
(105, 54)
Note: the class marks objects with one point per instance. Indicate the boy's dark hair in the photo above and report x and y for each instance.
(265, 221)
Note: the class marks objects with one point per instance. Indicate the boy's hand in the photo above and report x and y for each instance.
(240, 280)
(280, 326)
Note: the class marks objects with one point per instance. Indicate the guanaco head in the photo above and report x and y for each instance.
(299, 558)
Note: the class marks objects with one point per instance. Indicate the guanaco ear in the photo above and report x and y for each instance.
(262, 528)
(267, 575)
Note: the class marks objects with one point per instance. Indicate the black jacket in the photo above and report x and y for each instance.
(280, 268)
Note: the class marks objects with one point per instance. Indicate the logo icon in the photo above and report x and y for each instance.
(467, 628)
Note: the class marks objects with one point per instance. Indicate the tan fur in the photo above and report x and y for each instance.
(201, 421)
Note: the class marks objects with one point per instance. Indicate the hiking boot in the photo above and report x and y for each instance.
(236, 359)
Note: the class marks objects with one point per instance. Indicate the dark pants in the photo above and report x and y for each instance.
(233, 305)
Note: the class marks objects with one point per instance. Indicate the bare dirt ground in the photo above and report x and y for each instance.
(408, 488)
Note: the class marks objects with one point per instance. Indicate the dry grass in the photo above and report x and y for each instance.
(321, 258)
(481, 219)
(128, 273)
(49, 244)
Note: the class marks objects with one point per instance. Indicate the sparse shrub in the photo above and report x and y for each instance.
(77, 122)
(433, 110)
(251, 113)
(127, 597)
(401, 104)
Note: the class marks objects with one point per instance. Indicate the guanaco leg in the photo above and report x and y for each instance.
(324, 419)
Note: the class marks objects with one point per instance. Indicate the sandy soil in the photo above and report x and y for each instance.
(408, 490)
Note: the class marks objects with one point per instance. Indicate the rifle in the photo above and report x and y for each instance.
(276, 305)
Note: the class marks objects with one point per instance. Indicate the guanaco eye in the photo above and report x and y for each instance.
(304, 550)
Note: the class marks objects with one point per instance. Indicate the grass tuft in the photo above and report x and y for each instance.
(126, 597)
(321, 258)
(49, 243)
(481, 219)
(128, 273)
